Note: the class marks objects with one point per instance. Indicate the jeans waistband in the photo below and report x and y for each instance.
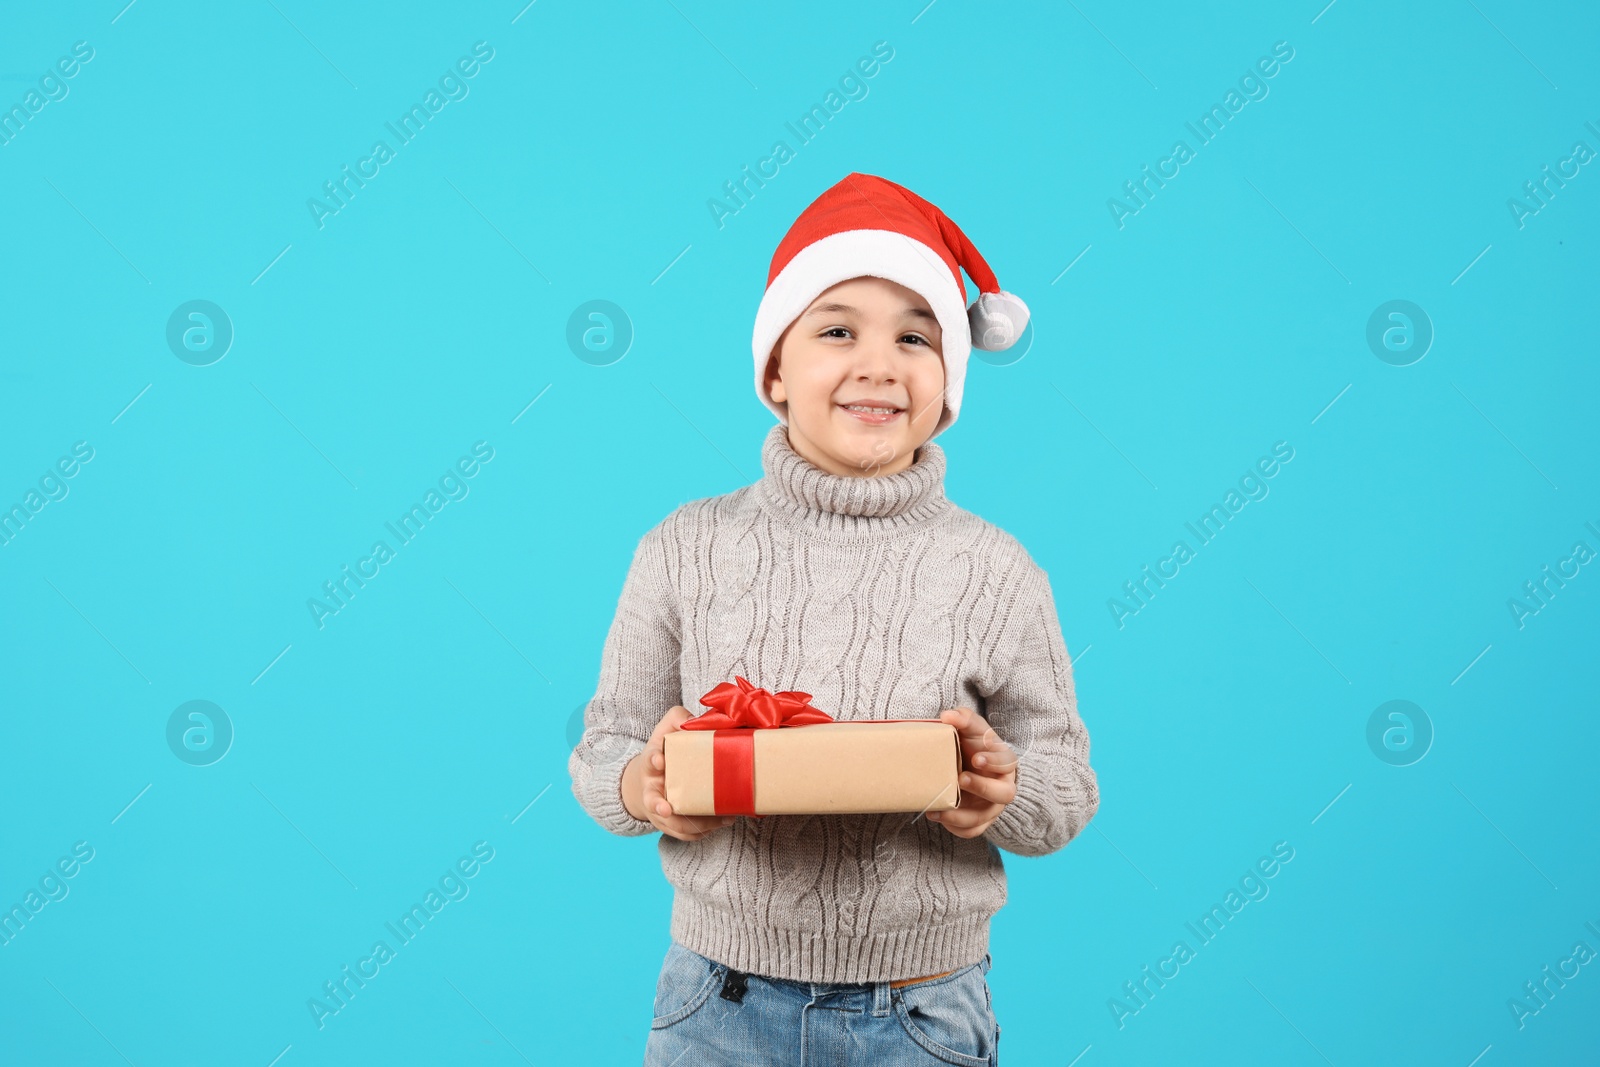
(881, 993)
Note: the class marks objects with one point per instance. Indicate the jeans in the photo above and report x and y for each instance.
(707, 1015)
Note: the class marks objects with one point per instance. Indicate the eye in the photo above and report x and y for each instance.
(917, 338)
(834, 331)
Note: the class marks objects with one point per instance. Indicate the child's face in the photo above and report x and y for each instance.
(867, 339)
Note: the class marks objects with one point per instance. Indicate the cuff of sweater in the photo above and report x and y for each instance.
(609, 810)
(1023, 826)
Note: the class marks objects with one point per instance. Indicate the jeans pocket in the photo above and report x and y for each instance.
(686, 983)
(951, 1017)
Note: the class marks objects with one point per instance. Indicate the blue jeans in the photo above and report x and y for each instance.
(709, 1016)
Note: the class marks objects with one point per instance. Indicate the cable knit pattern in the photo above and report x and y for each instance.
(884, 600)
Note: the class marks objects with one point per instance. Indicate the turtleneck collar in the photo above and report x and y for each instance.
(805, 494)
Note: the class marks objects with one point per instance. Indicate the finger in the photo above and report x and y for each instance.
(973, 809)
(655, 797)
(987, 790)
(997, 760)
(687, 836)
(681, 835)
(973, 729)
(670, 721)
(657, 742)
(968, 822)
(972, 726)
(970, 731)
(960, 718)
(656, 761)
(692, 828)
(987, 751)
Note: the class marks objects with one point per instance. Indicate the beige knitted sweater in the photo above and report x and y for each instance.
(883, 600)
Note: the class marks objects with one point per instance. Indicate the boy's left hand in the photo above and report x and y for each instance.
(988, 775)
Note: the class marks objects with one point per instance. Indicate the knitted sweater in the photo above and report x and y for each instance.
(882, 599)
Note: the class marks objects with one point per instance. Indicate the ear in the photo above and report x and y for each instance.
(774, 384)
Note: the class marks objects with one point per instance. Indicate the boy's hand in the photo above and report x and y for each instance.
(988, 775)
(644, 783)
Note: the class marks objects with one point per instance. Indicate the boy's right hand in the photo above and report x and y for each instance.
(648, 788)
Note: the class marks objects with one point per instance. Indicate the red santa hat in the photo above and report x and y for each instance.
(869, 226)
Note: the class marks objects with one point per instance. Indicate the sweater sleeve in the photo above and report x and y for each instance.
(1034, 710)
(638, 684)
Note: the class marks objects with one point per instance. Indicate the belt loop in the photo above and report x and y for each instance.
(881, 998)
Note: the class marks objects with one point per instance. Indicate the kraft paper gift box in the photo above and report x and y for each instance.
(760, 753)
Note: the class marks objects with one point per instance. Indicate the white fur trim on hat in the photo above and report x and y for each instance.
(851, 254)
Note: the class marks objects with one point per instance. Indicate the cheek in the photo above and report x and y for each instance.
(801, 372)
(809, 382)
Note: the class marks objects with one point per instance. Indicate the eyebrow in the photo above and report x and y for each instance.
(828, 309)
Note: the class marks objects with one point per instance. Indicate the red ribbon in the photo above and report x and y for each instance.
(737, 711)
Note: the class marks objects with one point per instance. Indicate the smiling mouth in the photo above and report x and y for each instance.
(872, 414)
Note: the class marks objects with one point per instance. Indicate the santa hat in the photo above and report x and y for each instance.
(869, 226)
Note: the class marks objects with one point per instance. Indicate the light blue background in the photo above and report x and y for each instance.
(1227, 315)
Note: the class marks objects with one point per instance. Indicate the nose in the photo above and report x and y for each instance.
(876, 360)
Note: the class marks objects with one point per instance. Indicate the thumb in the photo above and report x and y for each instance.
(672, 719)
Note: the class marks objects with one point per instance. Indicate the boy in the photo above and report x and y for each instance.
(845, 572)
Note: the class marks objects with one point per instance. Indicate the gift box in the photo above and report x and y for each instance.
(761, 753)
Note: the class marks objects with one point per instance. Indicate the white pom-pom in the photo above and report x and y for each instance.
(997, 321)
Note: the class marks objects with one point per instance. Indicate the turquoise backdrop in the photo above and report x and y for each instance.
(240, 343)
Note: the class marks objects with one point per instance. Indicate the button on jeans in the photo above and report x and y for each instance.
(783, 1023)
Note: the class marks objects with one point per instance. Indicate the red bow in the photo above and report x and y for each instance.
(737, 712)
(748, 707)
